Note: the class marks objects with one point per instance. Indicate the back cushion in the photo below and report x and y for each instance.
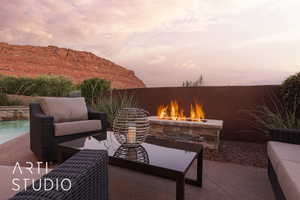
(65, 109)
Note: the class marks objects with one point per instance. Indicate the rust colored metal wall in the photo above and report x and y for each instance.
(225, 103)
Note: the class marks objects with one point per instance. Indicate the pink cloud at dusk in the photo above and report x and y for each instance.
(230, 42)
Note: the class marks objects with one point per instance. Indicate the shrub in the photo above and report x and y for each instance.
(9, 84)
(268, 119)
(291, 92)
(112, 105)
(52, 86)
(277, 115)
(14, 85)
(5, 101)
(39, 86)
(93, 89)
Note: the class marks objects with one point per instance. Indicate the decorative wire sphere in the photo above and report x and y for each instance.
(138, 154)
(131, 126)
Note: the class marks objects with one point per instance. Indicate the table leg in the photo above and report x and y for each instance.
(180, 182)
(198, 181)
(200, 168)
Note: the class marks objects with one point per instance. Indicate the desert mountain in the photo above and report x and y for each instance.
(32, 61)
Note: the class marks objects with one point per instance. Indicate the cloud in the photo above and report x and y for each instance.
(291, 36)
(166, 42)
(73, 20)
(198, 15)
(86, 22)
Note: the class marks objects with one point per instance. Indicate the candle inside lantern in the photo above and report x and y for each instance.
(131, 136)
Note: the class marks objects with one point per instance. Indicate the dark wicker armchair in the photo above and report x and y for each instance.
(87, 172)
(42, 138)
(291, 136)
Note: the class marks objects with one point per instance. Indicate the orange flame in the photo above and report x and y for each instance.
(174, 112)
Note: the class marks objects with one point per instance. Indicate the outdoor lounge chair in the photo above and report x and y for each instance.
(284, 163)
(87, 171)
(57, 120)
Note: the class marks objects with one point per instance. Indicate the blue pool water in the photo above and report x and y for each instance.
(12, 129)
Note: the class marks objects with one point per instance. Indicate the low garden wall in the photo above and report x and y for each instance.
(26, 100)
(226, 103)
(14, 112)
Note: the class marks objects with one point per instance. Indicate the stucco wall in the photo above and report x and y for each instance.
(224, 103)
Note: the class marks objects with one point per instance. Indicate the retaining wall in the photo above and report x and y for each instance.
(14, 112)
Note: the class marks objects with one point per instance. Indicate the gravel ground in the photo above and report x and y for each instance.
(244, 153)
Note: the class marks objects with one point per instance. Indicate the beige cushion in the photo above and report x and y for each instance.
(69, 128)
(288, 173)
(65, 109)
(7, 176)
(280, 150)
(285, 159)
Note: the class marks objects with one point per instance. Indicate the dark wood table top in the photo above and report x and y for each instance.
(157, 153)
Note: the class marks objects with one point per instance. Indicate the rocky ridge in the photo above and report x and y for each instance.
(31, 61)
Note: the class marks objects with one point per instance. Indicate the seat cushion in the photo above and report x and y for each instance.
(7, 178)
(285, 159)
(288, 173)
(278, 151)
(65, 109)
(70, 128)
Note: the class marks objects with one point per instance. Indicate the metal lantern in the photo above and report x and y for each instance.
(131, 126)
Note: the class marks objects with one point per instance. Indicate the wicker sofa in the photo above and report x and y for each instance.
(87, 172)
(56, 120)
(284, 163)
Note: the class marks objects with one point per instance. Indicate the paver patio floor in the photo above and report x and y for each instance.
(222, 181)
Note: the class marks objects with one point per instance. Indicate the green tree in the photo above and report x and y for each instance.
(93, 89)
(57, 86)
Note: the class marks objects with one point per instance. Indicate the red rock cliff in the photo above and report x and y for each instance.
(32, 61)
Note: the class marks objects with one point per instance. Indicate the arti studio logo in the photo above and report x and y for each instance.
(45, 184)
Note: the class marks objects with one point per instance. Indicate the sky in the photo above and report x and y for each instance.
(229, 42)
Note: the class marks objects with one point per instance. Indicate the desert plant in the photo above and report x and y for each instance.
(291, 91)
(111, 105)
(264, 118)
(93, 89)
(195, 83)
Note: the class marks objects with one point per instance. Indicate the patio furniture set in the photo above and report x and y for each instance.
(67, 131)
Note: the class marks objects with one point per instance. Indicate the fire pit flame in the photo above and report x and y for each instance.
(174, 112)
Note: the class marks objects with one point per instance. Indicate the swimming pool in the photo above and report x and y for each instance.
(12, 129)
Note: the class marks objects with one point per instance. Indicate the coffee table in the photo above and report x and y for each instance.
(158, 157)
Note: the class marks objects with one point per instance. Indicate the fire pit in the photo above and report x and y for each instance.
(172, 123)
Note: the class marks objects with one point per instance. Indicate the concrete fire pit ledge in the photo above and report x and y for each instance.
(207, 133)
